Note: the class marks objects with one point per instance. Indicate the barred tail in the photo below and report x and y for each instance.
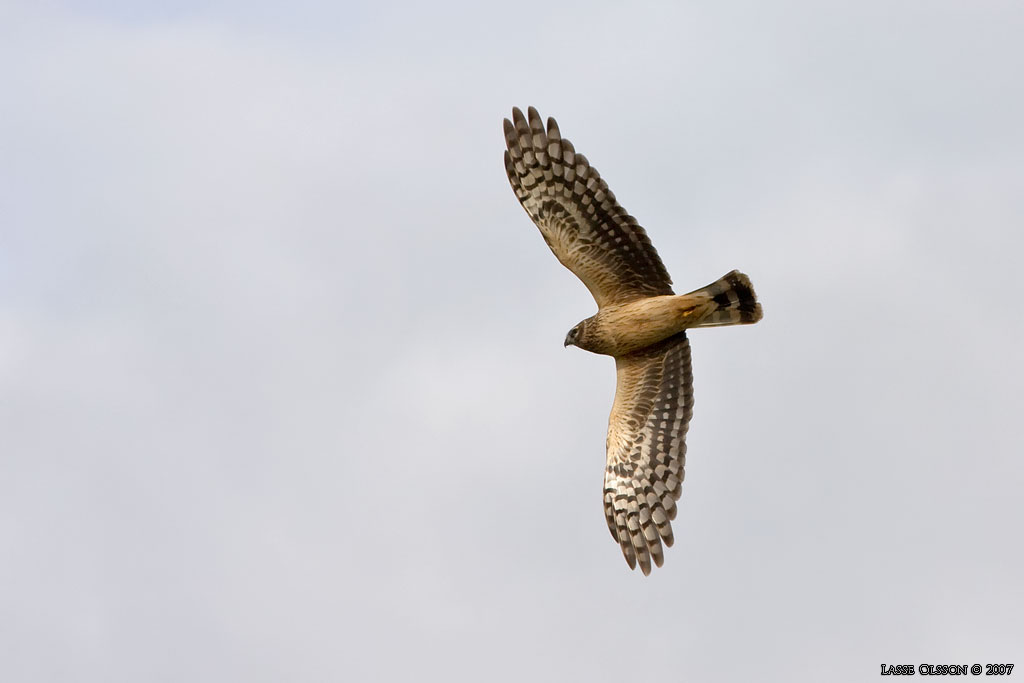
(735, 299)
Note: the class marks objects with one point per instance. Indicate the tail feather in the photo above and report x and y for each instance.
(736, 302)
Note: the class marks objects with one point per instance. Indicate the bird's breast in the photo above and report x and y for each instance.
(624, 328)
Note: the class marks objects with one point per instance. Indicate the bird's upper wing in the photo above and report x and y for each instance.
(578, 216)
(647, 448)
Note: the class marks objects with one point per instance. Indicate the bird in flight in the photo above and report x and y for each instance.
(640, 322)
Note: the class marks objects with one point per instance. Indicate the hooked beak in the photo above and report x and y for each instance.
(568, 340)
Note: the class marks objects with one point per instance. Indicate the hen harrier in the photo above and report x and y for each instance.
(640, 322)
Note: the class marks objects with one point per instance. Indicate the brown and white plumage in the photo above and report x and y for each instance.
(647, 447)
(640, 322)
(578, 216)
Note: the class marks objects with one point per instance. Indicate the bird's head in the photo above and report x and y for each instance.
(575, 334)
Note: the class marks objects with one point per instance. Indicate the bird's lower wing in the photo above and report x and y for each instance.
(647, 448)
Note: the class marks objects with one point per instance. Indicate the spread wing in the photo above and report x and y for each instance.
(578, 216)
(647, 448)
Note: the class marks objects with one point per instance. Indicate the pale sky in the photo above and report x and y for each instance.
(283, 395)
